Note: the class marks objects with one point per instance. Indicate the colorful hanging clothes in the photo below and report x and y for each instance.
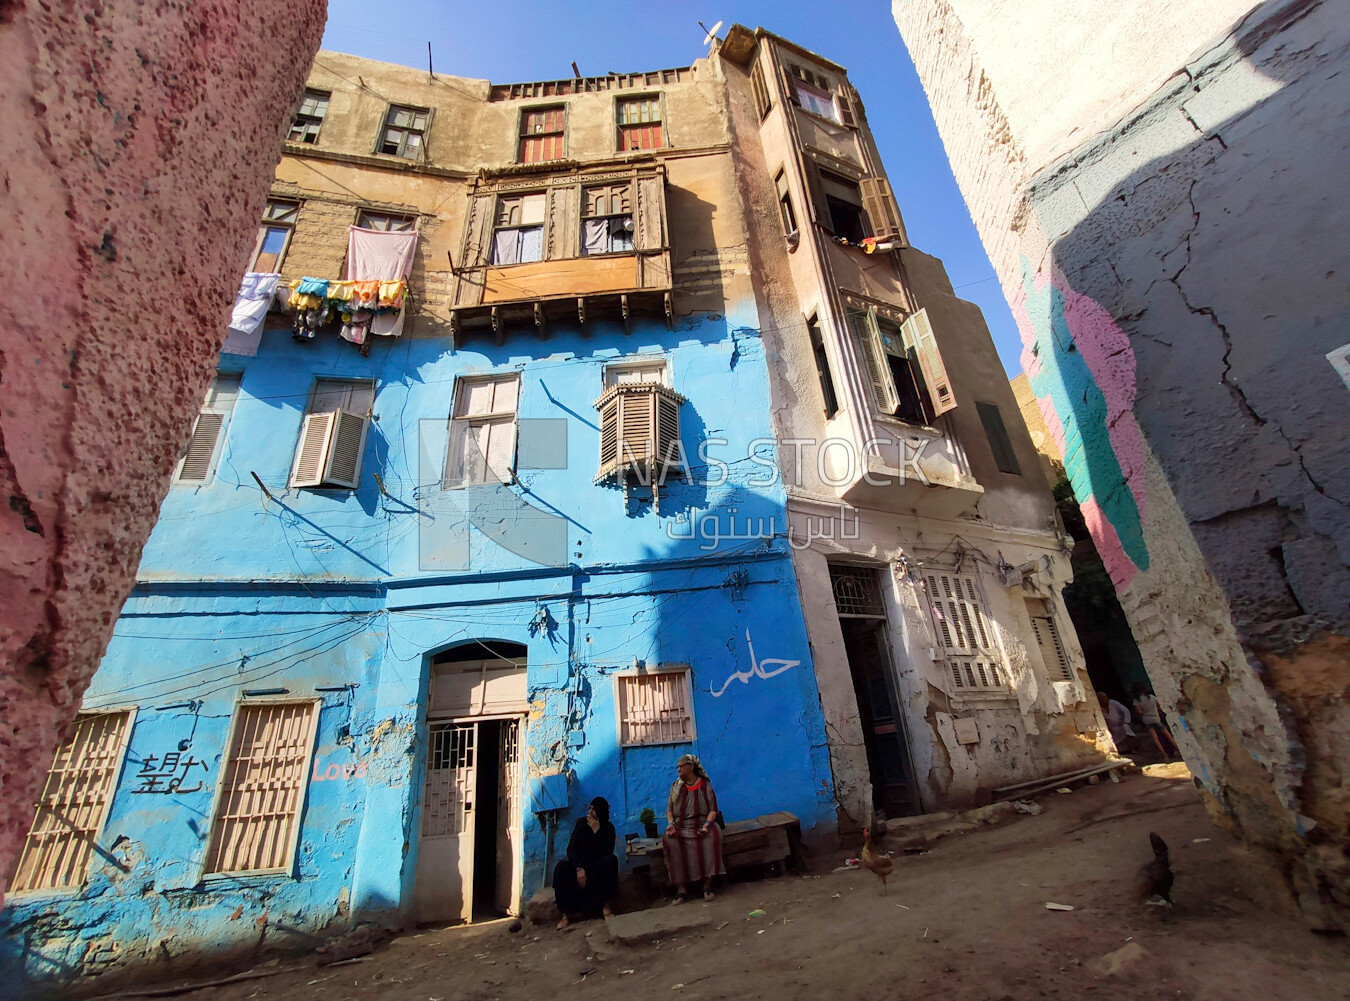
(312, 286)
(365, 295)
(356, 327)
(341, 291)
(250, 309)
(391, 294)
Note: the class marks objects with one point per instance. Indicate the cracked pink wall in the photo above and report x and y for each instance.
(140, 141)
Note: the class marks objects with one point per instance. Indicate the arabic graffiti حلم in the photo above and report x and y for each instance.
(758, 668)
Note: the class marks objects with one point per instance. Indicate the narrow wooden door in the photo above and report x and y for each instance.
(510, 819)
(445, 857)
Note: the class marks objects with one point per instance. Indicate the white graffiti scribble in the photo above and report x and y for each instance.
(758, 668)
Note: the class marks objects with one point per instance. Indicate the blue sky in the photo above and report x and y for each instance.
(539, 39)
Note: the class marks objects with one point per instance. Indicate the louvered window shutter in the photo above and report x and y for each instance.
(636, 420)
(609, 435)
(667, 431)
(311, 454)
(791, 87)
(918, 334)
(762, 100)
(820, 208)
(880, 207)
(878, 371)
(343, 465)
(846, 96)
(202, 449)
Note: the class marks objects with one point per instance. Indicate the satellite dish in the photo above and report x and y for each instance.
(712, 32)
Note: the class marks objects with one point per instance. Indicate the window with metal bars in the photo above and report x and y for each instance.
(1047, 637)
(856, 591)
(655, 708)
(309, 116)
(640, 123)
(966, 632)
(257, 818)
(199, 461)
(74, 804)
(543, 134)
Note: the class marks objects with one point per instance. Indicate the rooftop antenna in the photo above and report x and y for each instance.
(431, 73)
(710, 33)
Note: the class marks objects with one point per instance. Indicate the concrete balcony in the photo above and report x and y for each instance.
(907, 469)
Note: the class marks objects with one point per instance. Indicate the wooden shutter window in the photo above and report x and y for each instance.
(847, 101)
(197, 463)
(258, 808)
(918, 334)
(312, 452)
(1045, 631)
(74, 804)
(999, 442)
(639, 429)
(343, 468)
(967, 637)
(655, 708)
(199, 460)
(763, 103)
(868, 340)
(880, 208)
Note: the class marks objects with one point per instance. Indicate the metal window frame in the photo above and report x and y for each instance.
(289, 868)
(645, 672)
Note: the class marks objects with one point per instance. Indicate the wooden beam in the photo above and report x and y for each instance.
(581, 316)
(497, 327)
(540, 322)
(670, 312)
(455, 329)
(627, 320)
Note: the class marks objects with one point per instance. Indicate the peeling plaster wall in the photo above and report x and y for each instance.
(329, 593)
(1173, 241)
(140, 141)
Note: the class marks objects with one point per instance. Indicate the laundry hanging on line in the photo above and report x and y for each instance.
(251, 303)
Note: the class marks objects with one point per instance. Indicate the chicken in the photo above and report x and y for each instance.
(1155, 878)
(878, 863)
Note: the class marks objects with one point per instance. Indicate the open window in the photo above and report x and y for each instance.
(843, 206)
(405, 132)
(785, 212)
(904, 367)
(607, 219)
(208, 433)
(518, 233)
(309, 116)
(482, 447)
(274, 235)
(386, 222)
(333, 434)
(827, 393)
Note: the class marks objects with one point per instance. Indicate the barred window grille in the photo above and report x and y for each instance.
(655, 708)
(966, 633)
(73, 805)
(448, 807)
(856, 591)
(258, 813)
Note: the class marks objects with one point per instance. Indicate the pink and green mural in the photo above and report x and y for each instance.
(1081, 368)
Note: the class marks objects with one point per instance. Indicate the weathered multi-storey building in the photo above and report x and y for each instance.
(1171, 235)
(514, 485)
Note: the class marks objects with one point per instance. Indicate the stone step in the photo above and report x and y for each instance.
(657, 922)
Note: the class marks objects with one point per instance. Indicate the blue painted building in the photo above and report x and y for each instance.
(391, 700)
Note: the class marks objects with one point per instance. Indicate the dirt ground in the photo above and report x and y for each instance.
(965, 921)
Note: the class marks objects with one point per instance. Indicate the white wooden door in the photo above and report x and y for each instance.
(445, 858)
(510, 819)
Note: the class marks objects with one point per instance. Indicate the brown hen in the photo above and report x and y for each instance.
(878, 863)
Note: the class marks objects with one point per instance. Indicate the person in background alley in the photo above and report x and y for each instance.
(693, 841)
(586, 882)
(1117, 721)
(1146, 705)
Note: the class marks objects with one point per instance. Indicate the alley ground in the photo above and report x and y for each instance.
(965, 921)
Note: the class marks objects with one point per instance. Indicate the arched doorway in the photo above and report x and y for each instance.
(469, 858)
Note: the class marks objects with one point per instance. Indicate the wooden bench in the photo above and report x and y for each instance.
(774, 838)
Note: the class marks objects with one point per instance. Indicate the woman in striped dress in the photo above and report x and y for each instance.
(693, 841)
